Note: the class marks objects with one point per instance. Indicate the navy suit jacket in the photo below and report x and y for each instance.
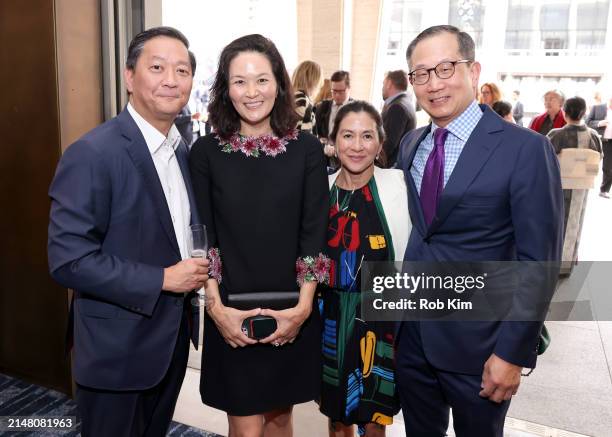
(503, 202)
(110, 237)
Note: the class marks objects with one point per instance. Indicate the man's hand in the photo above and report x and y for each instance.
(500, 379)
(602, 123)
(184, 276)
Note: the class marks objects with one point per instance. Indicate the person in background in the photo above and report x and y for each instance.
(261, 188)
(121, 206)
(574, 135)
(327, 109)
(184, 121)
(306, 81)
(368, 221)
(184, 124)
(553, 117)
(597, 116)
(504, 110)
(397, 114)
(518, 111)
(489, 94)
(600, 119)
(324, 93)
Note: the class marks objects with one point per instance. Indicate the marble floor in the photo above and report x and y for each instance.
(569, 394)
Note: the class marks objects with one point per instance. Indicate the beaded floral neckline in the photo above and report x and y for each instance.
(269, 145)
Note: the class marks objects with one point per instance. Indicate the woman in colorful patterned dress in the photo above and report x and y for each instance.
(261, 188)
(368, 221)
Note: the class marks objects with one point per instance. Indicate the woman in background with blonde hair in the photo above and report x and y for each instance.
(324, 93)
(306, 81)
(489, 94)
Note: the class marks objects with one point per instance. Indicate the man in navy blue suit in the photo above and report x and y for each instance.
(479, 189)
(121, 206)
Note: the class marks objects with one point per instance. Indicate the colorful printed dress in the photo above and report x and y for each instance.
(358, 371)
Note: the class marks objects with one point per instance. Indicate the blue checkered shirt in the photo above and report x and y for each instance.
(459, 130)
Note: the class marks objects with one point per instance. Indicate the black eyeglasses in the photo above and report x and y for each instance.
(444, 70)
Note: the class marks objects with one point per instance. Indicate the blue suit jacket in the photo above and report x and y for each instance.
(503, 202)
(110, 237)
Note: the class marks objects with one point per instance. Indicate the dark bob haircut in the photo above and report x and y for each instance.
(137, 44)
(362, 106)
(222, 114)
(574, 108)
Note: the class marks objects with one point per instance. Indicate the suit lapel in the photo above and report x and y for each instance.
(414, 202)
(140, 155)
(483, 140)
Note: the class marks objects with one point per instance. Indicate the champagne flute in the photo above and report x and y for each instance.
(198, 248)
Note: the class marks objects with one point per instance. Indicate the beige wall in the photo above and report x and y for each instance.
(366, 24)
(79, 67)
(320, 38)
(320, 33)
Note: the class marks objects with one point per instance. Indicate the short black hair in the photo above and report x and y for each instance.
(361, 106)
(399, 79)
(138, 42)
(575, 108)
(502, 107)
(222, 114)
(192, 61)
(467, 48)
(341, 76)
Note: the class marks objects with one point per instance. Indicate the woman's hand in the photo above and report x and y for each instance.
(229, 322)
(288, 323)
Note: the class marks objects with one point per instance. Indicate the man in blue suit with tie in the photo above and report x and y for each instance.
(479, 189)
(121, 206)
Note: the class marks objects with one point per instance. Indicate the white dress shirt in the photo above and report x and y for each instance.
(162, 151)
(332, 114)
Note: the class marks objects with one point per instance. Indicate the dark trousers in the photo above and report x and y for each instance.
(147, 413)
(427, 394)
(606, 183)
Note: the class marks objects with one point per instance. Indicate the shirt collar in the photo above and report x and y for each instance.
(462, 126)
(341, 104)
(392, 98)
(154, 138)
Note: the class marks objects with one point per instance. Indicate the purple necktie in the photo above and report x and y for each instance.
(433, 176)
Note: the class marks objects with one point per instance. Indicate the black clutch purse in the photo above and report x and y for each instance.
(274, 300)
(259, 327)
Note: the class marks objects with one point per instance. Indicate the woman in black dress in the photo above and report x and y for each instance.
(261, 188)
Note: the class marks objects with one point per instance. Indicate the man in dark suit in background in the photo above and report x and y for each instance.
(121, 205)
(517, 109)
(326, 110)
(479, 189)
(397, 114)
(599, 120)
